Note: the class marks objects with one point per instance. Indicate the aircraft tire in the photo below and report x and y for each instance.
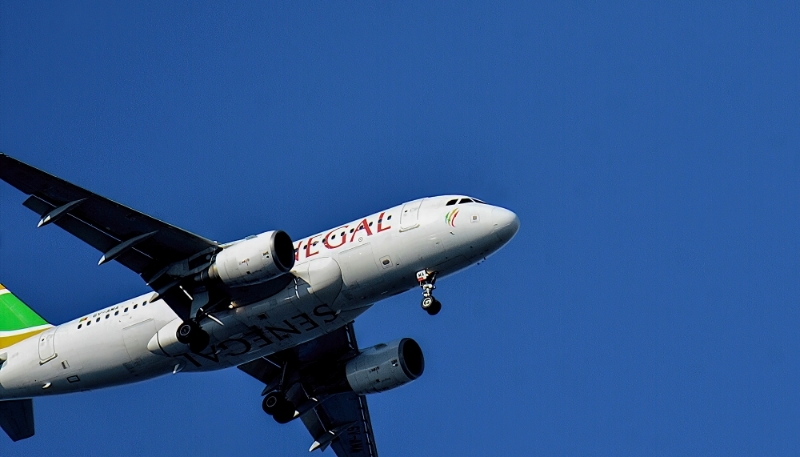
(272, 402)
(185, 331)
(284, 413)
(434, 308)
(199, 340)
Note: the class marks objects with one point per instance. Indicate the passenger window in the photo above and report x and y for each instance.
(88, 323)
(465, 200)
(144, 303)
(98, 320)
(370, 224)
(107, 316)
(135, 306)
(333, 237)
(79, 326)
(389, 218)
(452, 202)
(116, 313)
(126, 310)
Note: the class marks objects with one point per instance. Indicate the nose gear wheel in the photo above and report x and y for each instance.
(431, 305)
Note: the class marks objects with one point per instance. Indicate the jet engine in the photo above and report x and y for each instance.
(255, 259)
(385, 366)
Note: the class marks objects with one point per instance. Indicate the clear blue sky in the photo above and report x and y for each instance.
(648, 306)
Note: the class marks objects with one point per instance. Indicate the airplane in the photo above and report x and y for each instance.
(281, 311)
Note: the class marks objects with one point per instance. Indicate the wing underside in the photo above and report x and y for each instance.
(337, 420)
(162, 254)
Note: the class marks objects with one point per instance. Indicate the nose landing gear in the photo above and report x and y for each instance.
(427, 281)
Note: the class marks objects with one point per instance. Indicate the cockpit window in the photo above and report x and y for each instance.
(452, 202)
(466, 200)
(478, 201)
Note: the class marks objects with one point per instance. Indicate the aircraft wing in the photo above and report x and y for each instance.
(339, 420)
(142, 243)
(343, 422)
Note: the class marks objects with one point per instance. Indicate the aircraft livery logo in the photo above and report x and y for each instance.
(450, 218)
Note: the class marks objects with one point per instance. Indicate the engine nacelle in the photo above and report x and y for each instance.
(255, 259)
(385, 366)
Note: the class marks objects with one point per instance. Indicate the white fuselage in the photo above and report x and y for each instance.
(338, 274)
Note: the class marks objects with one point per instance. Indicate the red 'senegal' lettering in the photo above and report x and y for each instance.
(363, 225)
(297, 251)
(343, 238)
(308, 247)
(380, 223)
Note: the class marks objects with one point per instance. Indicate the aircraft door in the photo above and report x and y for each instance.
(47, 346)
(409, 218)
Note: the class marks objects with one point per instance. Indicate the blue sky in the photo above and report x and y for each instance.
(648, 306)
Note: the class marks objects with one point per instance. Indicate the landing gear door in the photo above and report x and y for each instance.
(47, 346)
(409, 218)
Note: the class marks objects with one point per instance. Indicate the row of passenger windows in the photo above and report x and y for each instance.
(344, 232)
(463, 200)
(88, 322)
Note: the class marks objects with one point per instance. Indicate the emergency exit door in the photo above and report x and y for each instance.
(47, 345)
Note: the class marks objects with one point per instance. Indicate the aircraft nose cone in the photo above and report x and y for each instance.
(506, 224)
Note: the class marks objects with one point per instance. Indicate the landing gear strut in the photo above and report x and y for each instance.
(427, 281)
(190, 333)
(276, 405)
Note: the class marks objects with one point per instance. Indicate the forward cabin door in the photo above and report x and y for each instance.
(409, 218)
(47, 345)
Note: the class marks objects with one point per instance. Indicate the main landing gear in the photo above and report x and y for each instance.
(276, 405)
(427, 280)
(190, 333)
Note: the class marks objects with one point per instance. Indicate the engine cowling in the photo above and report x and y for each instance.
(255, 259)
(385, 366)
